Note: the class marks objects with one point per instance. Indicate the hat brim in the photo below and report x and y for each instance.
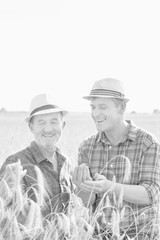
(102, 96)
(54, 110)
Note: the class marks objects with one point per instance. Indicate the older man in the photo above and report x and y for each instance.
(122, 163)
(46, 122)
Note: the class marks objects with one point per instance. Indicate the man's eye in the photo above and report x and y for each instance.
(40, 123)
(54, 121)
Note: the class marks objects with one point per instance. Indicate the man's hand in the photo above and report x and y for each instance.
(81, 173)
(99, 185)
(14, 172)
(12, 176)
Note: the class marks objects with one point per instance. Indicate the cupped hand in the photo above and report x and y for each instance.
(99, 185)
(81, 173)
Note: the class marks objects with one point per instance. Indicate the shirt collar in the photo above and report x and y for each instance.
(101, 137)
(131, 135)
(40, 157)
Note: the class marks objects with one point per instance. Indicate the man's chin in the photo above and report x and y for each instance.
(100, 129)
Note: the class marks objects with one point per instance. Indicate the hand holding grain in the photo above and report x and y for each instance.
(14, 172)
(99, 185)
(81, 173)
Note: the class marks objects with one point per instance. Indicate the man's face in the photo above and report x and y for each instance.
(106, 114)
(47, 129)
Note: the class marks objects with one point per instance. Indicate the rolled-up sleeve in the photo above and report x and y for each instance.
(149, 174)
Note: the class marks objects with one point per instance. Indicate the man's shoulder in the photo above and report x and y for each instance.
(144, 135)
(90, 141)
(148, 136)
(22, 155)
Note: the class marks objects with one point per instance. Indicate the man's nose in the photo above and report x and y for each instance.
(48, 128)
(96, 112)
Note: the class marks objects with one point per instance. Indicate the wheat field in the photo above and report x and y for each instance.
(79, 223)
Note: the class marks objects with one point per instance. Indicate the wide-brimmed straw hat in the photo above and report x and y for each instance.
(42, 104)
(107, 88)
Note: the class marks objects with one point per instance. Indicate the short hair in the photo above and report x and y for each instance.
(119, 102)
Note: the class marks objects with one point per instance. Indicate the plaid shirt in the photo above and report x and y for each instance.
(143, 152)
(58, 184)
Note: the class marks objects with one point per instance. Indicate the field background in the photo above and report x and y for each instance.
(15, 134)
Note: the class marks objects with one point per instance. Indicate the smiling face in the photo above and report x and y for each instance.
(107, 113)
(47, 129)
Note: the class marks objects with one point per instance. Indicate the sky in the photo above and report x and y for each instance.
(62, 46)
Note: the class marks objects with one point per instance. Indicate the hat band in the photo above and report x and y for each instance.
(45, 107)
(105, 92)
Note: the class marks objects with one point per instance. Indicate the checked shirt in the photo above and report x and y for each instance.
(58, 184)
(143, 152)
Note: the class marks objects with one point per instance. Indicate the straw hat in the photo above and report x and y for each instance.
(107, 88)
(42, 104)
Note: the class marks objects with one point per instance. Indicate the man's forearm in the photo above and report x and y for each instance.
(133, 193)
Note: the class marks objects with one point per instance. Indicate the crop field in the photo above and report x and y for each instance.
(80, 223)
(15, 134)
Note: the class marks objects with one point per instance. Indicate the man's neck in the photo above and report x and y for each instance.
(48, 153)
(118, 134)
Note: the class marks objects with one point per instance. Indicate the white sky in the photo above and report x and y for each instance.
(63, 46)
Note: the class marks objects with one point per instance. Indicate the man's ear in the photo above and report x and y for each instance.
(63, 124)
(123, 107)
(30, 125)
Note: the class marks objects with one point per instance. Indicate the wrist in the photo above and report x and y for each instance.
(109, 185)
